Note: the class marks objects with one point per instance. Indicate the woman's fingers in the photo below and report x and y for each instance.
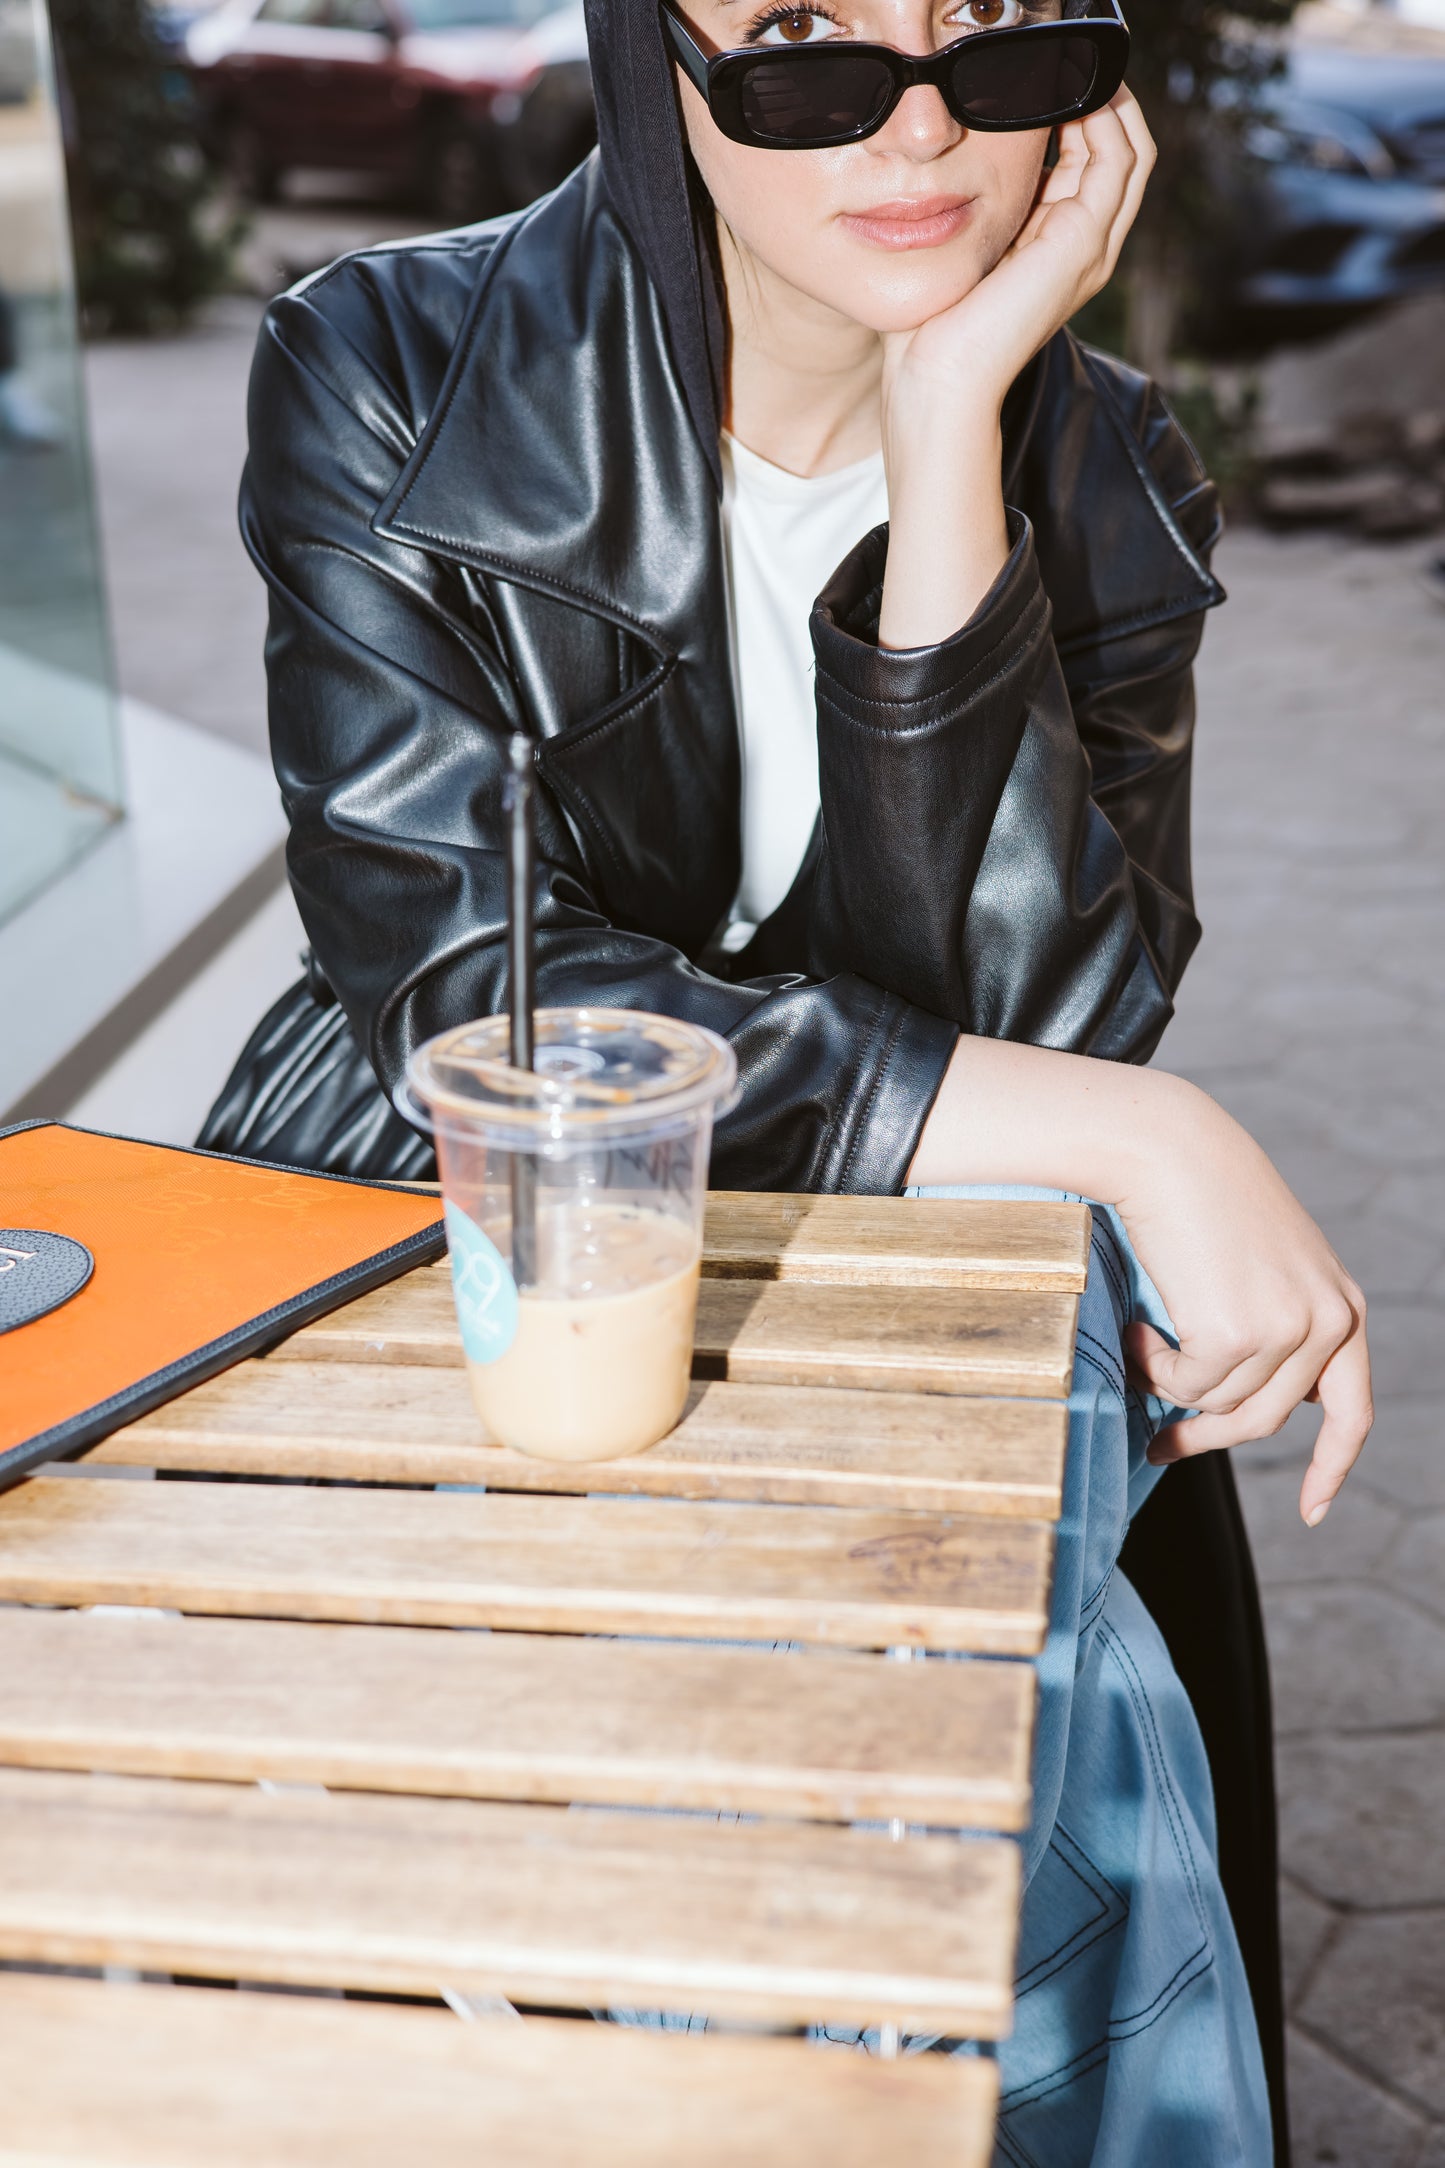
(1127, 116)
(1216, 1374)
(1335, 1370)
(1073, 155)
(1213, 1372)
(1225, 1369)
(1065, 252)
(1096, 188)
(1344, 1392)
(1130, 115)
(1260, 1416)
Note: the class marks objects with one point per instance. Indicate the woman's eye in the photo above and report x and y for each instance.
(799, 26)
(988, 14)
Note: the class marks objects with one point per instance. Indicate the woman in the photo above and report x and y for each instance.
(924, 859)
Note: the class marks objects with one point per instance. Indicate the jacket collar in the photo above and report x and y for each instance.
(560, 452)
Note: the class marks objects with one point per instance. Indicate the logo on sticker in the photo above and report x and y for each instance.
(38, 1272)
(485, 1292)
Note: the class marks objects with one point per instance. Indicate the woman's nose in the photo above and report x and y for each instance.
(920, 126)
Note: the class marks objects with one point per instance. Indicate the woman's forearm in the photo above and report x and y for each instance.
(1265, 1314)
(1008, 1113)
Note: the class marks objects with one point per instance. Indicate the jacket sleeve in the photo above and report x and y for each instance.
(391, 706)
(1053, 787)
(1132, 692)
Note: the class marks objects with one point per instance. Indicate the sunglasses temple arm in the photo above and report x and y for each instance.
(686, 48)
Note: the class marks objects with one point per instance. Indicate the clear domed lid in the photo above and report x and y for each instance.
(596, 1070)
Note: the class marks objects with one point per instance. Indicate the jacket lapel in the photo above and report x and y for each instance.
(560, 461)
(560, 452)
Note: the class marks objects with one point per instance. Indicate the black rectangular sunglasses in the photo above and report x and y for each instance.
(812, 97)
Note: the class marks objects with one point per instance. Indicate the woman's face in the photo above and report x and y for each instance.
(888, 231)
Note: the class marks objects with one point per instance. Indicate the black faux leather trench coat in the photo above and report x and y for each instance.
(479, 505)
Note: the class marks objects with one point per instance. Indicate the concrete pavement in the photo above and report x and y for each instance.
(1315, 1011)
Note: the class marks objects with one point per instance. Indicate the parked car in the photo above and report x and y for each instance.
(1346, 206)
(473, 105)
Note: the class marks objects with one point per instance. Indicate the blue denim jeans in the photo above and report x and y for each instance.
(1134, 2040)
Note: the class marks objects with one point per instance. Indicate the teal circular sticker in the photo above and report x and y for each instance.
(485, 1292)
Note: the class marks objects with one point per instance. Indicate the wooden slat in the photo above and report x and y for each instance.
(896, 1241)
(516, 1716)
(95, 2076)
(891, 1241)
(825, 1574)
(772, 1921)
(409, 1423)
(924, 1339)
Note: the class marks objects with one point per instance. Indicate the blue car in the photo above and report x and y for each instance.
(1345, 209)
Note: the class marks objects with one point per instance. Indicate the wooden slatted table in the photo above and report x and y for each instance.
(243, 1740)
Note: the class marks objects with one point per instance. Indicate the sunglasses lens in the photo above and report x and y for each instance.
(1034, 81)
(819, 102)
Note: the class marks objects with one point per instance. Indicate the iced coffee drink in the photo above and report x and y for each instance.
(574, 1198)
(600, 1362)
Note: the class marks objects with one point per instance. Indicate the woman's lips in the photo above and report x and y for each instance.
(911, 222)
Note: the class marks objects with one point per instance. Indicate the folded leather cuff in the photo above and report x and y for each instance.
(862, 679)
(870, 1157)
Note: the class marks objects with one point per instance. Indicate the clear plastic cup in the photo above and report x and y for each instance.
(573, 1196)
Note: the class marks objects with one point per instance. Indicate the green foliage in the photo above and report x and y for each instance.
(146, 250)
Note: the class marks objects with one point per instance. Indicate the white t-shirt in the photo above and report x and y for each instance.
(785, 534)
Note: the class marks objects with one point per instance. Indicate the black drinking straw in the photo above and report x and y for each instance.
(521, 987)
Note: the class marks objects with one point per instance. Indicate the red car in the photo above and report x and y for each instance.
(473, 105)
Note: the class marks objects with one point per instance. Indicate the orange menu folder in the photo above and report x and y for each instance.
(130, 1271)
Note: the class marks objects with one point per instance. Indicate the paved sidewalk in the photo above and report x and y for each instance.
(1315, 1011)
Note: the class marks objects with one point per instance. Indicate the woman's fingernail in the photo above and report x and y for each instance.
(1316, 1514)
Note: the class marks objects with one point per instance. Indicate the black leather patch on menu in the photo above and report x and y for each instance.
(38, 1272)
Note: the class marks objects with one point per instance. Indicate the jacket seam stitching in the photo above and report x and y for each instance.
(1019, 652)
(884, 1058)
(1016, 663)
(617, 711)
(303, 291)
(526, 576)
(571, 791)
(471, 640)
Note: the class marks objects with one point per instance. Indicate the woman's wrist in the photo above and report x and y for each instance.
(947, 526)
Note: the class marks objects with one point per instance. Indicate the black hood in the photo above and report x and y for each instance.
(659, 198)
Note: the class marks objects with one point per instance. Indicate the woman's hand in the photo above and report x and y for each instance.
(944, 382)
(1267, 1316)
(1064, 254)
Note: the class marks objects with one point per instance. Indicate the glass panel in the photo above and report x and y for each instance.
(60, 779)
